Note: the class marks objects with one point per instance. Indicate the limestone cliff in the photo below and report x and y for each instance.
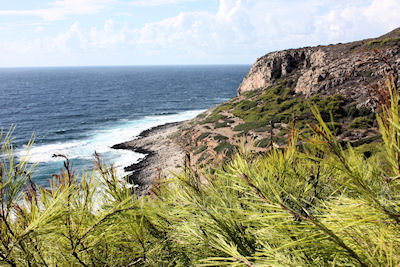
(346, 69)
(277, 92)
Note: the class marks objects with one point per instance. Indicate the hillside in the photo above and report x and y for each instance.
(279, 89)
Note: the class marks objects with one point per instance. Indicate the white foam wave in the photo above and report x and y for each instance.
(101, 141)
(44, 153)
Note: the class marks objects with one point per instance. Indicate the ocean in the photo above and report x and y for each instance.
(78, 110)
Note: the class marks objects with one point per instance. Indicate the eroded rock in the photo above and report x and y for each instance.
(347, 69)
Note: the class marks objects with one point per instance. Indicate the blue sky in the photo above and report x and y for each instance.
(158, 32)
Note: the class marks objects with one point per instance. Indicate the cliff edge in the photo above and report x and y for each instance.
(346, 69)
(277, 94)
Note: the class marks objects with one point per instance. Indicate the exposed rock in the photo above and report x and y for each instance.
(162, 156)
(347, 69)
(263, 119)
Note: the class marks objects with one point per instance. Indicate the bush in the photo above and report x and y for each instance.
(201, 115)
(202, 136)
(362, 123)
(221, 124)
(250, 94)
(263, 142)
(220, 138)
(225, 147)
(248, 126)
(213, 118)
(386, 41)
(201, 149)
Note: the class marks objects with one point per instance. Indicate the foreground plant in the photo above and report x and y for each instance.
(87, 220)
(315, 204)
(326, 205)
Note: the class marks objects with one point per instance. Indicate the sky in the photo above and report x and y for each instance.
(174, 32)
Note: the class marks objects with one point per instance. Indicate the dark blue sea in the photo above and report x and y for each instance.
(79, 110)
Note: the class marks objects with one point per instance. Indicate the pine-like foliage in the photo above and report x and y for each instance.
(314, 204)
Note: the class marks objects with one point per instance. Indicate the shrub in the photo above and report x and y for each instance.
(248, 126)
(250, 94)
(202, 136)
(201, 115)
(201, 149)
(221, 124)
(225, 147)
(220, 138)
(224, 106)
(263, 142)
(203, 157)
(213, 118)
(362, 123)
(386, 41)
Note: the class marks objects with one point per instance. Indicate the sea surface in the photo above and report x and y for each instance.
(79, 110)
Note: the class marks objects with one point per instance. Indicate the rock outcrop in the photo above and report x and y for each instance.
(341, 75)
(347, 69)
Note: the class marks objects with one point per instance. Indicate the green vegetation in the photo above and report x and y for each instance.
(213, 118)
(220, 138)
(250, 94)
(386, 41)
(201, 115)
(362, 122)
(221, 124)
(279, 104)
(203, 157)
(225, 147)
(247, 126)
(314, 203)
(263, 142)
(225, 106)
(201, 149)
(202, 136)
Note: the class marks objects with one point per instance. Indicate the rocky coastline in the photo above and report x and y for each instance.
(275, 94)
(163, 156)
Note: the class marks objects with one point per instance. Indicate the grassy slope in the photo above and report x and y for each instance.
(257, 114)
(264, 117)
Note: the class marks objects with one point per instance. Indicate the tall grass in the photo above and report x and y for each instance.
(315, 204)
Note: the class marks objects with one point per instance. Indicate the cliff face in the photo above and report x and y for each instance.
(346, 69)
(278, 90)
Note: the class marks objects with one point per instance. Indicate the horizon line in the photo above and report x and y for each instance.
(143, 65)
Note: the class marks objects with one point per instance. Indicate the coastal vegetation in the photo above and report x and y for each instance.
(386, 41)
(317, 201)
(267, 116)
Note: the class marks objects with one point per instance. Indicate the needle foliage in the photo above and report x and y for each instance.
(314, 203)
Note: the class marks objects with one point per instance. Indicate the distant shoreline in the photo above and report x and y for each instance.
(163, 156)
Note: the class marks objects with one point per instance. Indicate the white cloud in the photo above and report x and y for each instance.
(61, 9)
(384, 13)
(240, 31)
(38, 29)
(72, 40)
(149, 3)
(109, 36)
(355, 21)
(240, 26)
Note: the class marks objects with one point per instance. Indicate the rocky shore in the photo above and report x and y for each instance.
(277, 93)
(163, 156)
